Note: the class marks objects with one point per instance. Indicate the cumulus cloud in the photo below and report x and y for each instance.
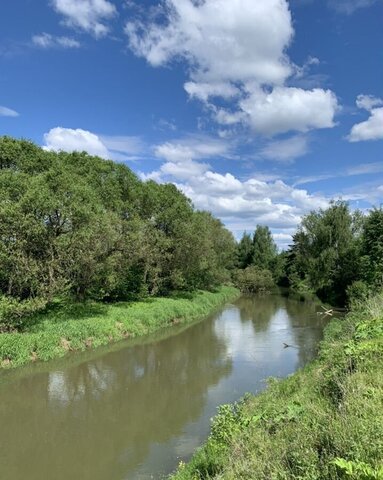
(286, 150)
(120, 148)
(223, 40)
(368, 102)
(46, 40)
(236, 50)
(240, 203)
(69, 140)
(87, 15)
(271, 203)
(289, 108)
(181, 157)
(7, 112)
(372, 128)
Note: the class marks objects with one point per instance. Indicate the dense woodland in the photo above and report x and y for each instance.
(78, 227)
(75, 227)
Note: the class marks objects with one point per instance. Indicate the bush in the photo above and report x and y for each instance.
(357, 292)
(14, 313)
(252, 280)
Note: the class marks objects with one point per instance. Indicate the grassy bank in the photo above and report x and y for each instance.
(324, 422)
(80, 327)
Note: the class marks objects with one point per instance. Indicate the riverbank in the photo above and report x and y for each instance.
(80, 327)
(324, 422)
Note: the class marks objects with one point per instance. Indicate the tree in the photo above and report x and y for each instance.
(264, 248)
(372, 248)
(325, 252)
(245, 251)
(78, 226)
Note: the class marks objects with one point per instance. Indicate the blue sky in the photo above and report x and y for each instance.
(259, 110)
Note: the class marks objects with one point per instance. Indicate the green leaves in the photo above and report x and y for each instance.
(79, 226)
(358, 470)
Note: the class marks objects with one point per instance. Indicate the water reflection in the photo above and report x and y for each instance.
(97, 420)
(134, 413)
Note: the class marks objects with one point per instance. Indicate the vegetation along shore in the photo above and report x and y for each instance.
(323, 422)
(90, 254)
(54, 333)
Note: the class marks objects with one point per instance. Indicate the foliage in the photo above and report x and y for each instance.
(372, 248)
(245, 251)
(337, 254)
(322, 422)
(357, 292)
(14, 313)
(358, 470)
(81, 326)
(264, 248)
(259, 265)
(79, 227)
(252, 280)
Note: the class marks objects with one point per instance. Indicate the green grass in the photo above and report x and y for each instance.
(81, 327)
(324, 422)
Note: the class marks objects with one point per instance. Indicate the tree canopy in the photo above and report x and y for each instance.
(76, 225)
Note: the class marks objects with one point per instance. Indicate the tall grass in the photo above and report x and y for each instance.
(324, 422)
(80, 327)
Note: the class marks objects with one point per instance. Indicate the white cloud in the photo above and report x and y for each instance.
(193, 147)
(368, 102)
(286, 150)
(372, 128)
(119, 148)
(223, 40)
(203, 91)
(180, 157)
(236, 50)
(7, 112)
(289, 108)
(45, 40)
(69, 140)
(87, 15)
(184, 170)
(271, 203)
(237, 202)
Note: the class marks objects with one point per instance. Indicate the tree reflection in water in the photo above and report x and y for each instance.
(98, 420)
(128, 414)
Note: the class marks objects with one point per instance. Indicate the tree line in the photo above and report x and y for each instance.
(335, 253)
(79, 227)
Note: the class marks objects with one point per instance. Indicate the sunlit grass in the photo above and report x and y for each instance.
(80, 327)
(324, 422)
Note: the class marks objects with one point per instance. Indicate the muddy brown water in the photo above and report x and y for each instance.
(134, 410)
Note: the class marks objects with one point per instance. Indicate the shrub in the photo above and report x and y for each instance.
(357, 292)
(14, 313)
(252, 280)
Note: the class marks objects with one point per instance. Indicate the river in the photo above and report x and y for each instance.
(134, 410)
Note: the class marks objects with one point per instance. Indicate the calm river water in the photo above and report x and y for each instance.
(135, 410)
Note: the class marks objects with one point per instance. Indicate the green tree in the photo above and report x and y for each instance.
(325, 253)
(245, 251)
(264, 248)
(372, 247)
